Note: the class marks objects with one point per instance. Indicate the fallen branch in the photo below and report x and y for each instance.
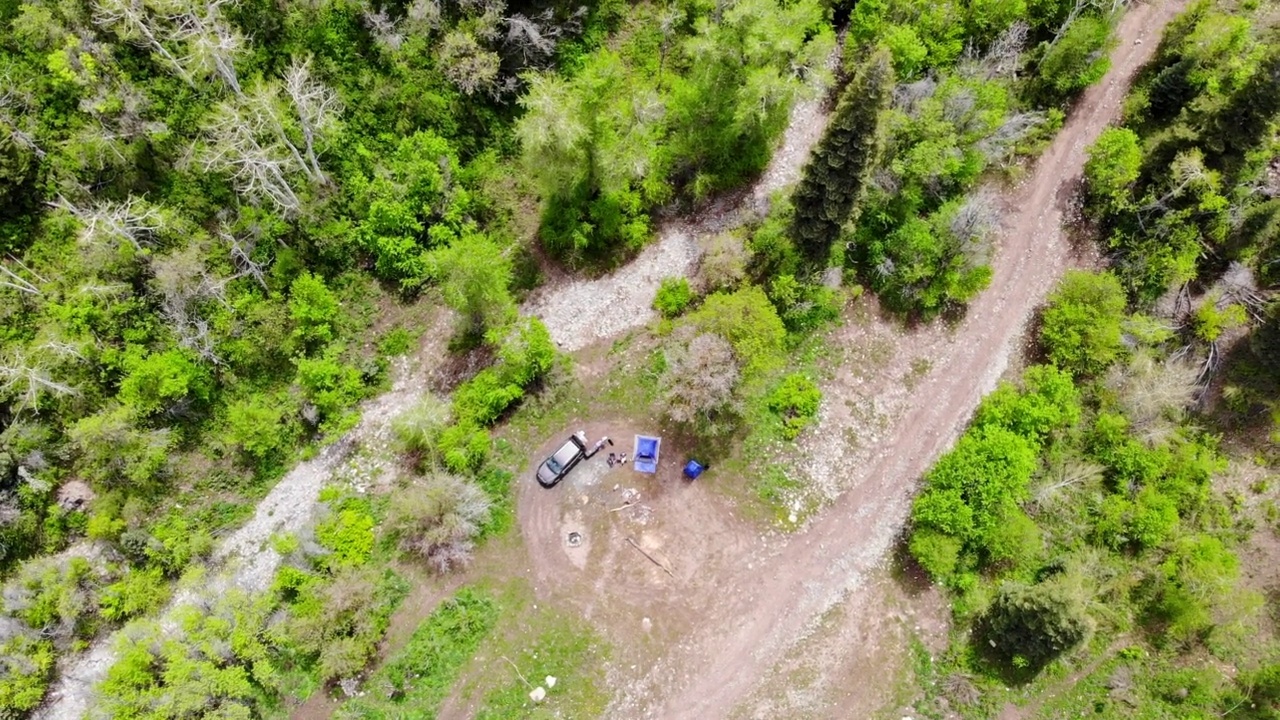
(651, 558)
(523, 679)
(624, 507)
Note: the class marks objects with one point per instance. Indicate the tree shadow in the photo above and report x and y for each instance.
(905, 571)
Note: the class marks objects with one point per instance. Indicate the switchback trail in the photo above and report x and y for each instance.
(769, 609)
(245, 561)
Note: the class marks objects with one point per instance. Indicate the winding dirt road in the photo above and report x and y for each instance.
(767, 610)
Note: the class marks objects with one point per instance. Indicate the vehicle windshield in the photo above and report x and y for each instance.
(553, 465)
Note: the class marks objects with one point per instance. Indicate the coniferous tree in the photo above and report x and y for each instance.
(836, 174)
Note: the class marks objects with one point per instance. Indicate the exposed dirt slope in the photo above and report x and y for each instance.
(767, 609)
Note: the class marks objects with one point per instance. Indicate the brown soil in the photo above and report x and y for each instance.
(740, 611)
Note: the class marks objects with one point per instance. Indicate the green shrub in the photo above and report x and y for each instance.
(464, 447)
(348, 534)
(1079, 58)
(417, 430)
(336, 623)
(314, 310)
(26, 668)
(674, 295)
(257, 427)
(482, 399)
(174, 542)
(331, 385)
(795, 402)
(526, 352)
(136, 593)
(162, 380)
(179, 671)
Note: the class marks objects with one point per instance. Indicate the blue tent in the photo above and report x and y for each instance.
(693, 469)
(646, 456)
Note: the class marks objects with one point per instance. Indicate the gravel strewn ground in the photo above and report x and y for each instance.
(245, 559)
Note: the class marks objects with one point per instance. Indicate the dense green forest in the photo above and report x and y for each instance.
(1098, 509)
(221, 221)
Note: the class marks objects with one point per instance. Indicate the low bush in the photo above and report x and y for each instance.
(795, 402)
(347, 533)
(437, 519)
(674, 296)
(26, 668)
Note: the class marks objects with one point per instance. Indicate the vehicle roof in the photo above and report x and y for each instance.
(567, 451)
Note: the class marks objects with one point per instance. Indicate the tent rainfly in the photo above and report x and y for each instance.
(646, 455)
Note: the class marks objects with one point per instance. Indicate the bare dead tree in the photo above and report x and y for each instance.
(317, 107)
(28, 381)
(425, 13)
(1153, 393)
(212, 43)
(999, 145)
(908, 96)
(241, 250)
(134, 221)
(259, 167)
(205, 44)
(973, 224)
(185, 285)
(1005, 54)
(14, 281)
(535, 39)
(134, 21)
(386, 31)
(1240, 286)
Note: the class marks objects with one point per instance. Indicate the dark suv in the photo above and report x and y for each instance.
(553, 469)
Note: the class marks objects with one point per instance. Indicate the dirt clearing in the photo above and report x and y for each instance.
(761, 609)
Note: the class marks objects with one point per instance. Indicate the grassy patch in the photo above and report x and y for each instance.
(417, 680)
(563, 650)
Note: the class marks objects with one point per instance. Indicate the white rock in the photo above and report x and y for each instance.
(646, 624)
(551, 681)
(538, 694)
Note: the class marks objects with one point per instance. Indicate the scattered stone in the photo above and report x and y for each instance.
(539, 694)
(646, 624)
(551, 681)
(792, 518)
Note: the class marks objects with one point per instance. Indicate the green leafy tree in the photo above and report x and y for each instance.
(970, 495)
(748, 321)
(475, 276)
(165, 381)
(1079, 58)
(1081, 328)
(834, 178)
(314, 310)
(1114, 164)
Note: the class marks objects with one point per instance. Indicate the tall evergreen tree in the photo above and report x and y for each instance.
(836, 174)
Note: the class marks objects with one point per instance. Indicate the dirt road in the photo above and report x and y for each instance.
(768, 609)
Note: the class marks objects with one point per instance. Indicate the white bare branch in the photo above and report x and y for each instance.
(134, 221)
